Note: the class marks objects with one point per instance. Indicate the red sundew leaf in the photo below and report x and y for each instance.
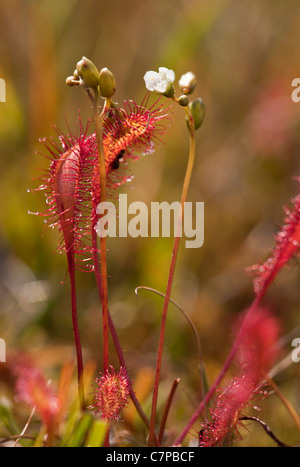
(224, 416)
(72, 183)
(33, 389)
(287, 244)
(257, 352)
(258, 349)
(111, 394)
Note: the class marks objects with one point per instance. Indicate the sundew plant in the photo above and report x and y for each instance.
(87, 406)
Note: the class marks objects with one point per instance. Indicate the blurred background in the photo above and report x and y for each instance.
(245, 56)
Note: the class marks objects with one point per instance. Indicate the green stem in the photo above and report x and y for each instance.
(170, 278)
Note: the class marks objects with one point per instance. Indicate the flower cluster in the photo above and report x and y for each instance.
(161, 82)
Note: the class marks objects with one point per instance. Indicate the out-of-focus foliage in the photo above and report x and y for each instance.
(245, 56)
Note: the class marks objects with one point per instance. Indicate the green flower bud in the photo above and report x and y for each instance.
(198, 111)
(88, 73)
(183, 101)
(107, 83)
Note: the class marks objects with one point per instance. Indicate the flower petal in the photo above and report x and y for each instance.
(151, 78)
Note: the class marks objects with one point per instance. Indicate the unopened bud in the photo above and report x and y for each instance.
(198, 112)
(88, 72)
(187, 82)
(107, 83)
(183, 101)
(70, 81)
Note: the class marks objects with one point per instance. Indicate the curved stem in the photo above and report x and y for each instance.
(150, 289)
(170, 280)
(267, 430)
(199, 348)
(284, 400)
(21, 435)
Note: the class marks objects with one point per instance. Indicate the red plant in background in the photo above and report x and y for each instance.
(48, 400)
(271, 121)
(256, 354)
(33, 389)
(287, 244)
(258, 350)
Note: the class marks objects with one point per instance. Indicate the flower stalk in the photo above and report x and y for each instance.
(185, 188)
(98, 120)
(167, 409)
(162, 83)
(80, 378)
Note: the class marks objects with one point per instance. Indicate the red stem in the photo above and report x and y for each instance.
(104, 301)
(71, 267)
(98, 120)
(185, 187)
(167, 409)
(161, 341)
(114, 334)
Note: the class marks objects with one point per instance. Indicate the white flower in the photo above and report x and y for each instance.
(160, 82)
(187, 82)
